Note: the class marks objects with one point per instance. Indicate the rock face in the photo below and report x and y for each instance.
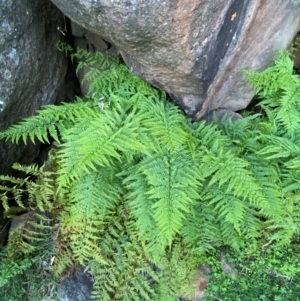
(194, 50)
(31, 69)
(31, 72)
(76, 287)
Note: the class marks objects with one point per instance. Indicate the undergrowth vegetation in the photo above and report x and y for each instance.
(142, 195)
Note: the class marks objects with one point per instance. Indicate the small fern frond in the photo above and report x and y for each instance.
(93, 194)
(101, 61)
(229, 235)
(230, 208)
(28, 237)
(52, 120)
(288, 113)
(281, 232)
(273, 79)
(38, 185)
(63, 260)
(268, 176)
(90, 199)
(84, 243)
(280, 147)
(280, 89)
(138, 201)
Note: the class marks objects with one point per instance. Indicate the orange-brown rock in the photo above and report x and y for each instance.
(194, 50)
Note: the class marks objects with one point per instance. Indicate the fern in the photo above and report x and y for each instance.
(129, 275)
(23, 275)
(139, 192)
(170, 184)
(279, 87)
(100, 146)
(40, 191)
(52, 120)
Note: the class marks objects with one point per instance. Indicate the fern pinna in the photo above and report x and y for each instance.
(134, 180)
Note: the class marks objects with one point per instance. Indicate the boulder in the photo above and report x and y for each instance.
(77, 286)
(31, 72)
(194, 50)
(31, 69)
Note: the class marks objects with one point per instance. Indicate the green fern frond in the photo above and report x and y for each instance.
(38, 185)
(108, 78)
(84, 243)
(98, 60)
(63, 260)
(280, 147)
(90, 199)
(271, 80)
(95, 193)
(229, 207)
(279, 87)
(127, 275)
(139, 203)
(177, 261)
(200, 232)
(268, 175)
(165, 123)
(109, 136)
(230, 236)
(282, 231)
(52, 120)
(288, 114)
(224, 167)
(252, 227)
(171, 184)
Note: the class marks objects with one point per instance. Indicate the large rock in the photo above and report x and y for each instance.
(31, 72)
(31, 69)
(76, 287)
(193, 49)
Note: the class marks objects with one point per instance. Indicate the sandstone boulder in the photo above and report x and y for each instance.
(194, 50)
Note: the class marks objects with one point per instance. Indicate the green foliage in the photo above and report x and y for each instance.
(128, 274)
(140, 193)
(279, 87)
(25, 264)
(266, 275)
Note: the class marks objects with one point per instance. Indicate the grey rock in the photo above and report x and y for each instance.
(221, 114)
(97, 41)
(77, 287)
(31, 69)
(296, 52)
(194, 50)
(228, 268)
(31, 72)
(82, 43)
(77, 30)
(201, 282)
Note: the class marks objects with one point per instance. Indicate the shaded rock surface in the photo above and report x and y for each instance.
(31, 72)
(31, 69)
(194, 50)
(76, 287)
